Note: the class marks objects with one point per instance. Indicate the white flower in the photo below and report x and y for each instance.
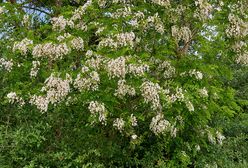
(41, 102)
(164, 3)
(237, 27)
(77, 43)
(211, 138)
(119, 40)
(124, 89)
(79, 12)
(159, 124)
(204, 11)
(12, 96)
(203, 92)
(88, 83)
(60, 23)
(169, 70)
(5, 64)
(150, 92)
(137, 70)
(198, 75)
(242, 58)
(97, 108)
(22, 46)
(133, 120)
(183, 33)
(51, 51)
(57, 89)
(119, 123)
(1, 10)
(190, 106)
(116, 67)
(220, 137)
(25, 20)
(197, 147)
(35, 68)
(134, 136)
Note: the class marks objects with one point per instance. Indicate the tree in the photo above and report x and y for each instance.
(119, 83)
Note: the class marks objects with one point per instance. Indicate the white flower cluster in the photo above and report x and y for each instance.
(124, 89)
(41, 102)
(242, 58)
(159, 124)
(169, 70)
(25, 21)
(56, 88)
(63, 37)
(165, 3)
(12, 96)
(150, 92)
(219, 137)
(79, 12)
(60, 23)
(119, 40)
(137, 17)
(137, 70)
(125, 39)
(176, 13)
(122, 12)
(77, 43)
(203, 92)
(100, 30)
(155, 21)
(95, 62)
(119, 123)
(87, 83)
(205, 9)
(239, 46)
(183, 33)
(101, 3)
(35, 68)
(5, 64)
(121, 1)
(197, 74)
(237, 27)
(177, 96)
(134, 136)
(97, 108)
(133, 120)
(190, 106)
(22, 46)
(50, 50)
(2, 10)
(116, 67)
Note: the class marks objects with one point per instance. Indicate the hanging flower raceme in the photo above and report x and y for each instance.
(56, 88)
(6, 64)
(117, 67)
(51, 51)
(23, 46)
(97, 108)
(150, 92)
(159, 124)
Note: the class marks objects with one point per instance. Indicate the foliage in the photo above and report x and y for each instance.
(122, 83)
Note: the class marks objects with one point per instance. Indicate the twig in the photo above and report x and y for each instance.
(37, 9)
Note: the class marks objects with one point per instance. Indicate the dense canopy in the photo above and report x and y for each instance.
(121, 83)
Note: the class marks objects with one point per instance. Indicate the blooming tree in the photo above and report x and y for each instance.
(142, 77)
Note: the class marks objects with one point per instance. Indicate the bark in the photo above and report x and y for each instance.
(12, 1)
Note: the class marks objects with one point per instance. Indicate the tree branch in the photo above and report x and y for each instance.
(37, 9)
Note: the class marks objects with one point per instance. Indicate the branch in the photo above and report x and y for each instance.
(37, 9)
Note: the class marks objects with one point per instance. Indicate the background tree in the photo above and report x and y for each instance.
(119, 83)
